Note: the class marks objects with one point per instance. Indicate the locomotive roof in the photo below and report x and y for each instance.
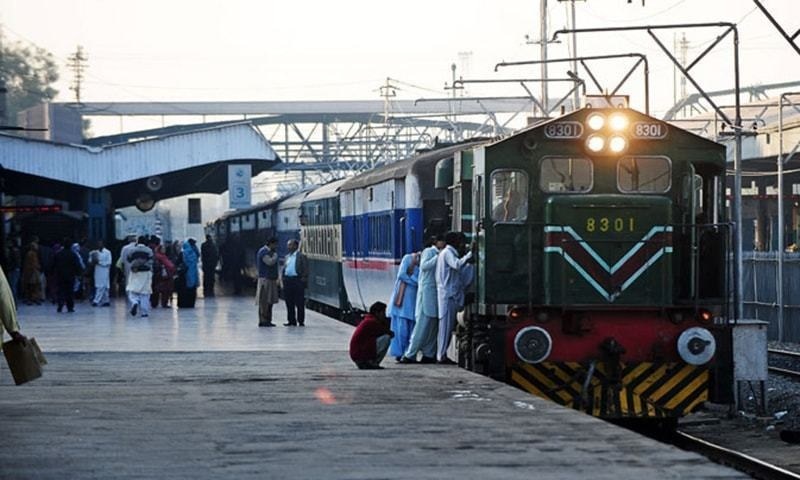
(577, 115)
(328, 190)
(405, 167)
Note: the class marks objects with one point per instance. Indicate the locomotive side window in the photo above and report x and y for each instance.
(565, 174)
(509, 196)
(644, 175)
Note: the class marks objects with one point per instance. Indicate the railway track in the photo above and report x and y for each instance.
(785, 363)
(740, 461)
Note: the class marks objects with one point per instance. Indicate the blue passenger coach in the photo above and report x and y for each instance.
(321, 233)
(288, 221)
(386, 214)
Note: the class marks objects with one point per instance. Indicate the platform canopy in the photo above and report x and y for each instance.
(162, 167)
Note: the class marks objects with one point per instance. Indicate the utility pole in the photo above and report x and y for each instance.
(684, 52)
(681, 51)
(454, 135)
(543, 49)
(77, 63)
(542, 42)
(388, 91)
(574, 47)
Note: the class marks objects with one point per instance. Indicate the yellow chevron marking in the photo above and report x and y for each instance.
(672, 382)
(623, 402)
(596, 406)
(561, 373)
(653, 378)
(696, 384)
(637, 405)
(635, 373)
(562, 395)
(665, 399)
(700, 399)
(525, 384)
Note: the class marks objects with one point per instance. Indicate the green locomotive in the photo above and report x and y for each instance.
(601, 280)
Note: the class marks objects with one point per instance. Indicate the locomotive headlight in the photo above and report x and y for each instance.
(618, 122)
(533, 344)
(596, 121)
(617, 144)
(595, 143)
(696, 346)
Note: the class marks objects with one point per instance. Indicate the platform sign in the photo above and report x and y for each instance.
(239, 186)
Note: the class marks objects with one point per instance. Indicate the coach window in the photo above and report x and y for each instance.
(509, 196)
(565, 174)
(644, 175)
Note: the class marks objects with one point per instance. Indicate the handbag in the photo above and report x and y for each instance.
(22, 360)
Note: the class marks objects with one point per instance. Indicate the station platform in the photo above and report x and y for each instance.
(205, 393)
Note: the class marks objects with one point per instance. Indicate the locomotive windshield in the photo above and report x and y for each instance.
(565, 174)
(644, 175)
(509, 196)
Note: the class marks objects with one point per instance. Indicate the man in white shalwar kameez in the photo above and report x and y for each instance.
(102, 271)
(449, 290)
(423, 337)
(140, 279)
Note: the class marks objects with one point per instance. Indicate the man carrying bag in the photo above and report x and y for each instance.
(19, 353)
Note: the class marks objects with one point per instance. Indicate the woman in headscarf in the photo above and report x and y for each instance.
(188, 277)
(163, 275)
(31, 279)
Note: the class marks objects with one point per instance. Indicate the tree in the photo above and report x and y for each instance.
(29, 73)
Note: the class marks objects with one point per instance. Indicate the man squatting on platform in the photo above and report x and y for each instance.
(370, 340)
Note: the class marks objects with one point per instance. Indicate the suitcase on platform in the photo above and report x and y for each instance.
(23, 360)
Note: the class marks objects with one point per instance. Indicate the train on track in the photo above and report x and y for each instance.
(601, 274)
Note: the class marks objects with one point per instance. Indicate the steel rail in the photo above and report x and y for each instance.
(785, 353)
(738, 460)
(786, 372)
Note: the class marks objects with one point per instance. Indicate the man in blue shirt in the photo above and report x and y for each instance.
(295, 279)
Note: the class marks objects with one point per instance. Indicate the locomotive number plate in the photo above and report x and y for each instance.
(605, 224)
(649, 130)
(563, 130)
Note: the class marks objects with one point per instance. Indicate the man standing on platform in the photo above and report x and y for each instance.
(371, 338)
(448, 291)
(102, 274)
(209, 255)
(140, 279)
(295, 280)
(267, 288)
(67, 268)
(123, 267)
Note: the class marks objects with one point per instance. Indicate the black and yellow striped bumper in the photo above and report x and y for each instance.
(641, 390)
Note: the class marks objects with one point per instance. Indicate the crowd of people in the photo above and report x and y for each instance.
(428, 293)
(416, 326)
(146, 272)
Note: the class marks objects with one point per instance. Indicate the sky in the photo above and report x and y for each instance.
(183, 50)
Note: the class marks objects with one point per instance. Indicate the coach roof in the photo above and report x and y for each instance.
(405, 167)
